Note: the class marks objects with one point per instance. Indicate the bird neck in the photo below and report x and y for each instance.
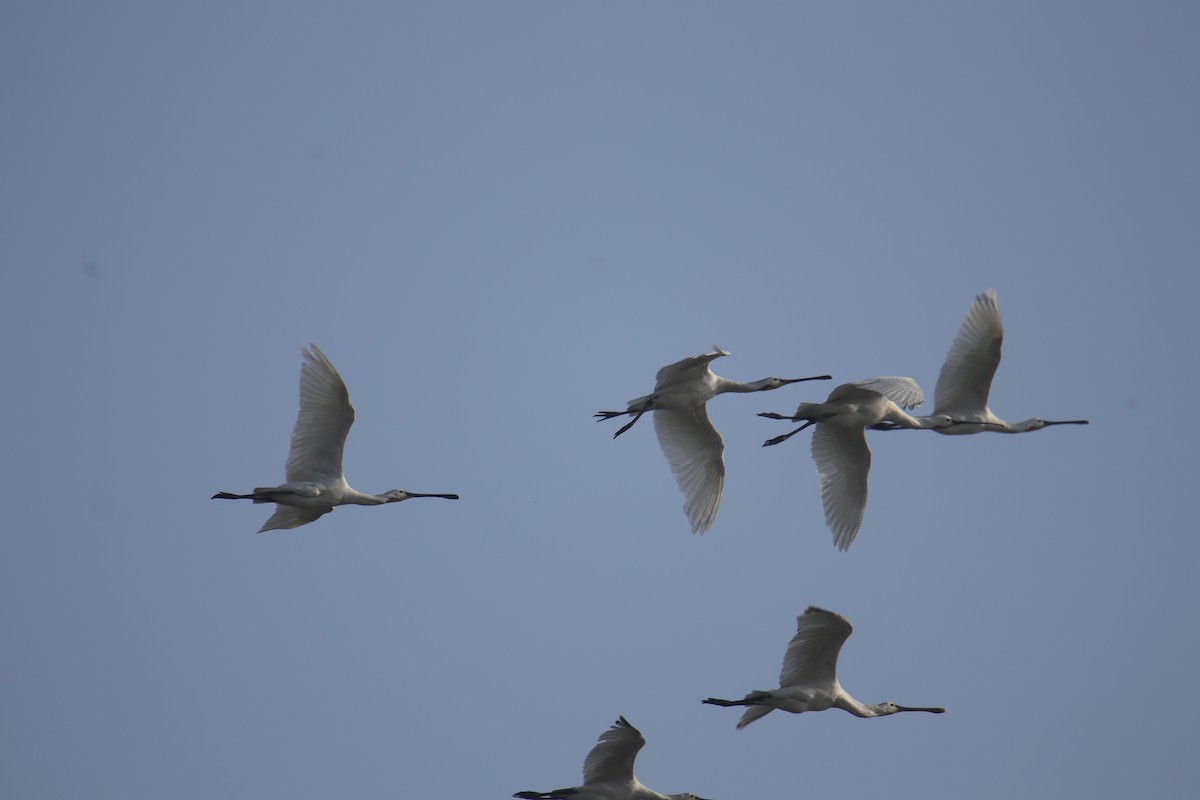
(726, 385)
(813, 411)
(905, 420)
(357, 498)
(642, 791)
(848, 703)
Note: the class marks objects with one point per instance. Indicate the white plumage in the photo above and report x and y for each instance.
(966, 377)
(839, 443)
(694, 448)
(315, 483)
(808, 680)
(608, 771)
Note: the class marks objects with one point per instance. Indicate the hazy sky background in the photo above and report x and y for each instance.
(499, 218)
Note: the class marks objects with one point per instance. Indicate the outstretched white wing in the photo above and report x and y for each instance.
(324, 420)
(843, 461)
(966, 377)
(611, 760)
(695, 451)
(812, 655)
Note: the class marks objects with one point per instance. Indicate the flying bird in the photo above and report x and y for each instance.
(808, 681)
(966, 377)
(692, 445)
(315, 483)
(608, 771)
(839, 443)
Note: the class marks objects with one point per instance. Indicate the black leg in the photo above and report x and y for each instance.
(786, 436)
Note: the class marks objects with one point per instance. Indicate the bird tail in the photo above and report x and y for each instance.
(716, 701)
(638, 404)
(557, 794)
(810, 411)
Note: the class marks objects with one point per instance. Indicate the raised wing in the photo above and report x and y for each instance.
(966, 377)
(904, 392)
(292, 517)
(324, 420)
(611, 760)
(695, 451)
(812, 654)
(843, 461)
(686, 369)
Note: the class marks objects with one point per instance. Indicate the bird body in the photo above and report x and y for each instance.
(839, 442)
(608, 771)
(808, 680)
(966, 376)
(867, 402)
(693, 447)
(315, 483)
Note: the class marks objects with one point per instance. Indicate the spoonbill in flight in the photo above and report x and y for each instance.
(966, 377)
(608, 771)
(808, 681)
(314, 467)
(839, 444)
(692, 445)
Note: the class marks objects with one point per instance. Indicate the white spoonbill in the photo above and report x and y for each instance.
(808, 681)
(839, 444)
(966, 377)
(315, 483)
(608, 771)
(691, 443)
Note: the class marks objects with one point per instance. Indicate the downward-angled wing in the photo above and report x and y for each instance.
(695, 451)
(843, 461)
(292, 517)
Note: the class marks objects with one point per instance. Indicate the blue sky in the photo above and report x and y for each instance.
(497, 219)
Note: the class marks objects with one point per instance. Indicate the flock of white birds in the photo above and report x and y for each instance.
(695, 450)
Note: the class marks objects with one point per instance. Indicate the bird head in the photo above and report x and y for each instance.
(396, 495)
(888, 707)
(1037, 424)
